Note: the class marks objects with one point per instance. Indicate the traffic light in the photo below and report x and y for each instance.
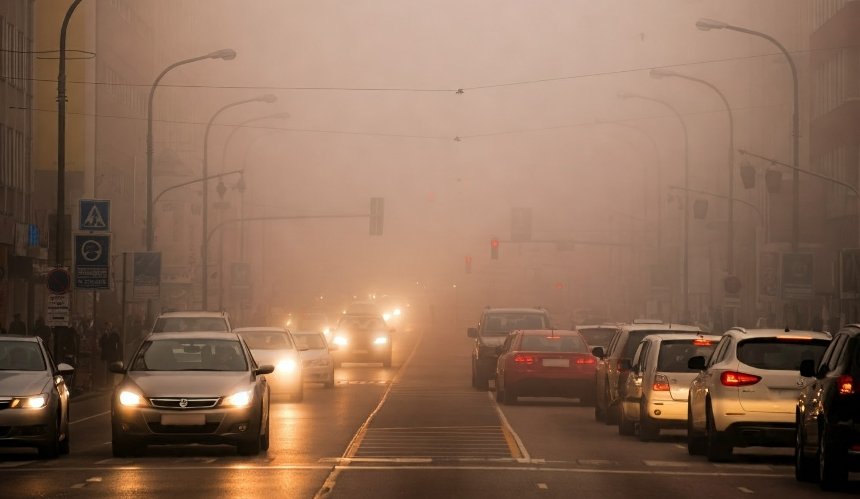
(377, 208)
(494, 249)
(747, 175)
(468, 264)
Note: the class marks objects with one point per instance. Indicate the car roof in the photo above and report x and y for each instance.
(273, 329)
(598, 326)
(682, 336)
(659, 327)
(773, 332)
(16, 337)
(307, 332)
(515, 311)
(191, 313)
(192, 335)
(544, 332)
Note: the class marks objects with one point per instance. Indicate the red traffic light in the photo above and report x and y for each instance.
(494, 243)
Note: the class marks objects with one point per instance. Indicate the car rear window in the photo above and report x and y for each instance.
(553, 343)
(504, 323)
(780, 354)
(311, 341)
(267, 340)
(674, 354)
(599, 336)
(633, 339)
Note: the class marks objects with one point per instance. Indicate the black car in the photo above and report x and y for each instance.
(362, 338)
(828, 414)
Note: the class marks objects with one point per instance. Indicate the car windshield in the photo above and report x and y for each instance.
(362, 323)
(780, 354)
(674, 354)
(194, 324)
(567, 343)
(21, 356)
(598, 336)
(310, 341)
(267, 340)
(190, 355)
(504, 323)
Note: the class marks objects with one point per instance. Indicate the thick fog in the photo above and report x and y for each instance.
(456, 113)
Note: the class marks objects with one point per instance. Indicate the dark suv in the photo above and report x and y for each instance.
(828, 414)
(493, 328)
(615, 360)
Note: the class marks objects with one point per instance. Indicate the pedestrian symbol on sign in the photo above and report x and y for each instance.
(94, 215)
(95, 219)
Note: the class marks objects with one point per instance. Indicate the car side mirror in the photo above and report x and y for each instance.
(696, 363)
(64, 369)
(598, 352)
(625, 364)
(266, 369)
(116, 367)
(807, 368)
(472, 332)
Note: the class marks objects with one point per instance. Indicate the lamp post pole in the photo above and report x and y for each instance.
(61, 137)
(225, 54)
(204, 252)
(685, 270)
(730, 244)
(709, 24)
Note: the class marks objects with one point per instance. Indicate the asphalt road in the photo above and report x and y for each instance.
(415, 430)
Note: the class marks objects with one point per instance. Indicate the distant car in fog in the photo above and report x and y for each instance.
(597, 335)
(544, 363)
(493, 327)
(362, 338)
(191, 321)
(275, 346)
(317, 358)
(310, 321)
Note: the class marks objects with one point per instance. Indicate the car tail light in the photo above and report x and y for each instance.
(522, 359)
(733, 378)
(661, 383)
(585, 360)
(702, 342)
(845, 384)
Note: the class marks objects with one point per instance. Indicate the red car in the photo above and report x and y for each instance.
(545, 363)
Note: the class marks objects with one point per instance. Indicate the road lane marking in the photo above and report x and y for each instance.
(15, 464)
(79, 485)
(542, 486)
(351, 448)
(94, 479)
(518, 450)
(746, 490)
(89, 417)
(667, 464)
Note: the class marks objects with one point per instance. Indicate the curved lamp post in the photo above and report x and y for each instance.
(730, 245)
(705, 24)
(204, 253)
(224, 54)
(686, 260)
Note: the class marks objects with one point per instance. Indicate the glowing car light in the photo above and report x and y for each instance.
(286, 366)
(239, 399)
(380, 340)
(386, 316)
(340, 341)
(129, 399)
(397, 311)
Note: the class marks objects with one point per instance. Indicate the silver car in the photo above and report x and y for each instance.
(317, 361)
(275, 346)
(655, 393)
(34, 399)
(746, 393)
(184, 388)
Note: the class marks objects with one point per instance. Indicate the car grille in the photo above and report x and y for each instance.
(4, 430)
(206, 428)
(190, 403)
(5, 403)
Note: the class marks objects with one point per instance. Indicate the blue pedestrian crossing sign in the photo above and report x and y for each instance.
(94, 215)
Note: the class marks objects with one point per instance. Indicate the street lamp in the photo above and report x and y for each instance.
(204, 253)
(224, 54)
(730, 248)
(705, 24)
(686, 260)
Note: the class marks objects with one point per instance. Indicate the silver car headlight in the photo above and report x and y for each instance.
(35, 402)
(286, 366)
(380, 340)
(340, 340)
(239, 399)
(130, 399)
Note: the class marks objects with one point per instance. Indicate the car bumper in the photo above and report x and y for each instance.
(220, 425)
(551, 387)
(26, 427)
(361, 353)
(284, 382)
(668, 413)
(317, 374)
(761, 433)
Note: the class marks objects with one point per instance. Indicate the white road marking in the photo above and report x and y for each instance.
(89, 417)
(595, 462)
(542, 486)
(746, 490)
(94, 479)
(79, 485)
(681, 446)
(667, 464)
(15, 464)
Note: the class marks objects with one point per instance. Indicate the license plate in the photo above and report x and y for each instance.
(556, 362)
(183, 419)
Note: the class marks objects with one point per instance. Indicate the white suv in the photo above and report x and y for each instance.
(177, 322)
(746, 394)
